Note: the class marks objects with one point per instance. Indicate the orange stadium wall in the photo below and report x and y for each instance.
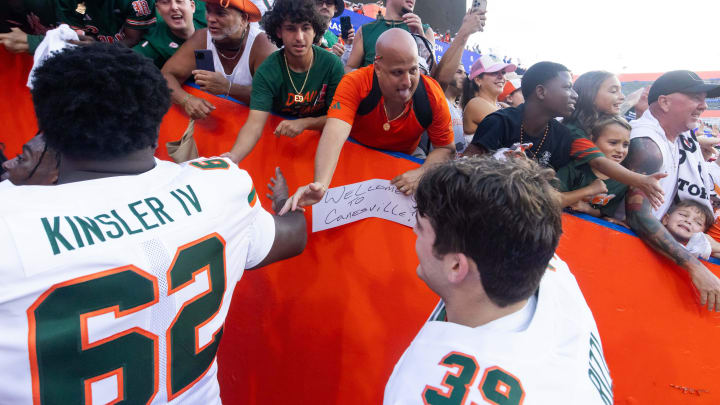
(327, 327)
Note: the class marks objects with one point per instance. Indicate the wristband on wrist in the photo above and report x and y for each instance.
(182, 103)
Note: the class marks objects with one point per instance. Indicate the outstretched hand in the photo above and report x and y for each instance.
(651, 187)
(279, 192)
(407, 182)
(304, 196)
(708, 288)
(15, 41)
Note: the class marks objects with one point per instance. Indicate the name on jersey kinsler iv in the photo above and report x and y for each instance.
(72, 232)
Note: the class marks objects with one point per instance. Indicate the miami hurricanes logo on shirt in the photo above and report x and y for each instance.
(601, 199)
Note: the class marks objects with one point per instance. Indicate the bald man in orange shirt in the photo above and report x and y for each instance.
(392, 118)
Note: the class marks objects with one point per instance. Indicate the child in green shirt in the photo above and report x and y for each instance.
(587, 190)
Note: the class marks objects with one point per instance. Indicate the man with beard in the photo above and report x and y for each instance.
(297, 81)
(157, 246)
(177, 21)
(37, 165)
(327, 10)
(387, 105)
(238, 49)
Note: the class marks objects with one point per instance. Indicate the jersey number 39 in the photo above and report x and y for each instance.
(65, 364)
(497, 386)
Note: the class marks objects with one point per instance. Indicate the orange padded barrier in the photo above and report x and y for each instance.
(327, 327)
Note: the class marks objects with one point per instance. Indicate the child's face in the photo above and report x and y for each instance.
(609, 98)
(613, 141)
(684, 222)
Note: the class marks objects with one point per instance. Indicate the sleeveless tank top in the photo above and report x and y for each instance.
(241, 73)
(687, 177)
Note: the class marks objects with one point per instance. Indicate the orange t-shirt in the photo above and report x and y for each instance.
(405, 131)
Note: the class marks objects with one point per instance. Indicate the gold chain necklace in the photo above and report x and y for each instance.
(386, 125)
(242, 46)
(298, 94)
(522, 130)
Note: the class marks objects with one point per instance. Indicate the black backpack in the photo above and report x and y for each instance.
(421, 103)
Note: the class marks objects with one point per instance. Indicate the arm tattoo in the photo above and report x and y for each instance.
(645, 157)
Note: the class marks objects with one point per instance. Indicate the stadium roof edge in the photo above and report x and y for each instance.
(649, 77)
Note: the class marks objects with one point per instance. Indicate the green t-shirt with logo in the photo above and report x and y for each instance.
(577, 175)
(159, 44)
(328, 40)
(105, 19)
(273, 92)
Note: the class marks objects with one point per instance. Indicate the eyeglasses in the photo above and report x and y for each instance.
(326, 2)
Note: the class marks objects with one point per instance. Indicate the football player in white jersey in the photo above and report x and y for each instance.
(117, 280)
(512, 327)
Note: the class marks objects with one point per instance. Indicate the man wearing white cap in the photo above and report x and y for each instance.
(485, 83)
(661, 142)
(511, 95)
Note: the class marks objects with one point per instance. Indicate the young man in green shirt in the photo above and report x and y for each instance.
(398, 14)
(176, 22)
(297, 81)
(329, 9)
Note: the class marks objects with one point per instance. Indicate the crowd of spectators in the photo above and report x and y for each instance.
(376, 86)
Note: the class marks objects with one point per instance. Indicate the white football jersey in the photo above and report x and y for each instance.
(117, 288)
(555, 357)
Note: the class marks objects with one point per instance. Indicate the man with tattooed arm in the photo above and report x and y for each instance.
(661, 141)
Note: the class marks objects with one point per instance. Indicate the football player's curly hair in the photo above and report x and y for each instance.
(504, 215)
(99, 101)
(295, 11)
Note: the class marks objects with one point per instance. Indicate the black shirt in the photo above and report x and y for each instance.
(501, 129)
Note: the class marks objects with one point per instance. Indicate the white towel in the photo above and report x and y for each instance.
(54, 41)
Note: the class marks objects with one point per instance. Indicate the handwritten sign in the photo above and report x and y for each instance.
(374, 198)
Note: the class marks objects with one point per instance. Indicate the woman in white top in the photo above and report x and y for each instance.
(238, 48)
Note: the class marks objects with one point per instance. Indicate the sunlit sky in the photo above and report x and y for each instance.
(622, 36)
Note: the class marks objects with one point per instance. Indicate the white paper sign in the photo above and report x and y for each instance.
(374, 198)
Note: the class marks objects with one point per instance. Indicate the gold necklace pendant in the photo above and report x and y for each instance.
(299, 98)
(386, 126)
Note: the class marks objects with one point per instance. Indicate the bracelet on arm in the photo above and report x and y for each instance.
(182, 103)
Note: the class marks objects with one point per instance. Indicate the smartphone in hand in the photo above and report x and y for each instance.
(204, 60)
(345, 26)
(479, 5)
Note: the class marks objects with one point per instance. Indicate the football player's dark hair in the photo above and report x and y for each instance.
(504, 215)
(99, 101)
